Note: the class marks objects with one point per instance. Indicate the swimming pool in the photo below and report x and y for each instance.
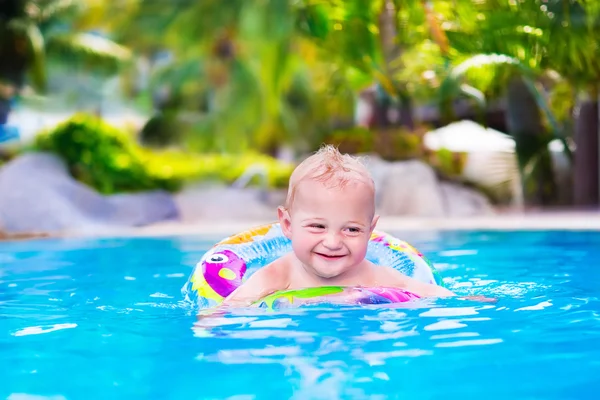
(104, 318)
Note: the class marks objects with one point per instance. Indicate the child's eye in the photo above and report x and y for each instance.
(317, 226)
(354, 230)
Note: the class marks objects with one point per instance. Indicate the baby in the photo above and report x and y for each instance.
(328, 216)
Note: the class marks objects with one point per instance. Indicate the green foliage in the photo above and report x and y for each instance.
(399, 144)
(551, 46)
(111, 161)
(391, 144)
(161, 130)
(561, 101)
(32, 32)
(353, 140)
(275, 72)
(556, 35)
(448, 162)
(102, 156)
(396, 145)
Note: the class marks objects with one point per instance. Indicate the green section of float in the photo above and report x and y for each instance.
(307, 293)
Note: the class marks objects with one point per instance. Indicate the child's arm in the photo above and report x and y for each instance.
(428, 290)
(262, 283)
(398, 279)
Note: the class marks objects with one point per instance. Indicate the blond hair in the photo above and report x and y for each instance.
(330, 167)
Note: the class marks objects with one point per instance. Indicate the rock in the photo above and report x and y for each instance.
(409, 188)
(223, 203)
(37, 194)
(461, 201)
(413, 188)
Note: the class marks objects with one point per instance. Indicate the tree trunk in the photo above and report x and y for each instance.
(381, 107)
(399, 102)
(388, 32)
(585, 180)
(524, 123)
(4, 110)
(406, 111)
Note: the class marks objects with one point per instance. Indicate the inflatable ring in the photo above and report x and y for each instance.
(231, 261)
(335, 295)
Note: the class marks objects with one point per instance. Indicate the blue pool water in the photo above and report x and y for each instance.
(104, 319)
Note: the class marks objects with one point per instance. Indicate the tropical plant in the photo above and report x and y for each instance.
(111, 161)
(378, 43)
(526, 43)
(236, 70)
(263, 73)
(31, 32)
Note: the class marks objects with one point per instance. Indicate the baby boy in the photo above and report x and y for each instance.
(329, 216)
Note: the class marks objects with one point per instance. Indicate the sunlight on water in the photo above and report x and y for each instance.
(106, 319)
(36, 330)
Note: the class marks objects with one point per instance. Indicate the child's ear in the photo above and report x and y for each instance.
(374, 222)
(285, 221)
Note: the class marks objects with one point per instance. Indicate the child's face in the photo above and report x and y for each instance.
(330, 228)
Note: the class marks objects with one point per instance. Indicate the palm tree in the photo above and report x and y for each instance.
(267, 69)
(536, 39)
(33, 31)
(234, 67)
(368, 40)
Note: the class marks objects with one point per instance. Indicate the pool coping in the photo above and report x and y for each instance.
(211, 228)
(547, 221)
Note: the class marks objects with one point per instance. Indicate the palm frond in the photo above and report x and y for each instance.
(29, 32)
(543, 105)
(37, 55)
(88, 45)
(480, 60)
(475, 94)
(313, 21)
(177, 74)
(52, 8)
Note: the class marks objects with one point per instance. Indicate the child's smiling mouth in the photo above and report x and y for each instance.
(330, 256)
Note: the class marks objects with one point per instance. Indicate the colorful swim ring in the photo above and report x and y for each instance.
(231, 261)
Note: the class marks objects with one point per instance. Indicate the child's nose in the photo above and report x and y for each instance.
(332, 241)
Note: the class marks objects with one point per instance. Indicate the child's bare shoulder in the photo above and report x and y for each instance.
(386, 272)
(277, 270)
(388, 276)
(264, 281)
(392, 277)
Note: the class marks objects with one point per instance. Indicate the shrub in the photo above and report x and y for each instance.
(354, 140)
(111, 161)
(396, 144)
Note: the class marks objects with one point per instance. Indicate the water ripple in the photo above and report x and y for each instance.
(110, 313)
(37, 330)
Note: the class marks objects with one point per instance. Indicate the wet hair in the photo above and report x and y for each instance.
(331, 168)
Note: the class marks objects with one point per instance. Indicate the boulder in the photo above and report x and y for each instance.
(37, 194)
(409, 188)
(222, 203)
(413, 188)
(461, 201)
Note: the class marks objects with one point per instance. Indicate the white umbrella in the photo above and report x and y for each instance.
(491, 159)
(468, 136)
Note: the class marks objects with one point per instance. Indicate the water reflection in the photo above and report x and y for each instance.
(344, 351)
(345, 327)
(112, 313)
